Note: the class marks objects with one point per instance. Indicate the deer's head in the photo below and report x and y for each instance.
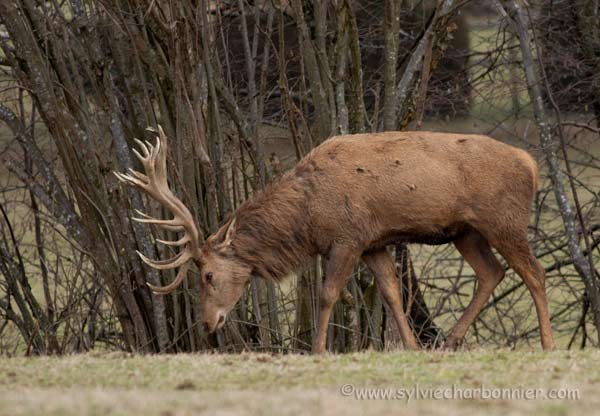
(223, 276)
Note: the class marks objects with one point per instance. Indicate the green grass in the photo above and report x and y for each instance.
(259, 384)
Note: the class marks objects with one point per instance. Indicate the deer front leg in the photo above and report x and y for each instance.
(339, 268)
(382, 266)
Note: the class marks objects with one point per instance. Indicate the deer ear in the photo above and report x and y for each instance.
(229, 234)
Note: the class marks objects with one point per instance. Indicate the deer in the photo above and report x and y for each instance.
(347, 200)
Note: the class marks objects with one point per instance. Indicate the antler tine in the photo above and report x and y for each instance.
(138, 175)
(130, 180)
(120, 176)
(147, 219)
(161, 133)
(165, 224)
(153, 158)
(177, 260)
(163, 290)
(160, 223)
(149, 145)
(143, 147)
(183, 240)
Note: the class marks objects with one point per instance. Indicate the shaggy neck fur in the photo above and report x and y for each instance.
(272, 229)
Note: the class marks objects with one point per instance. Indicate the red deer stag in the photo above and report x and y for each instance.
(347, 200)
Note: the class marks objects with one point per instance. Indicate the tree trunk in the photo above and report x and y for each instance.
(549, 145)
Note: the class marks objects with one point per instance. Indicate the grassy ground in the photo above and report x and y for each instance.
(292, 384)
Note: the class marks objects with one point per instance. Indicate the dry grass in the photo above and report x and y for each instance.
(289, 384)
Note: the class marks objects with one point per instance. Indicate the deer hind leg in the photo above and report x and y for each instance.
(381, 265)
(517, 252)
(489, 272)
(338, 270)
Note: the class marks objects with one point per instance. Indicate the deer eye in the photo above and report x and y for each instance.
(209, 277)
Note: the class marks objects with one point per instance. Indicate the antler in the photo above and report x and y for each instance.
(154, 183)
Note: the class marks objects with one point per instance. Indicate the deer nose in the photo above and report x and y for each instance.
(220, 321)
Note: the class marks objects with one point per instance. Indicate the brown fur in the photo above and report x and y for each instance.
(353, 195)
(425, 188)
(272, 233)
